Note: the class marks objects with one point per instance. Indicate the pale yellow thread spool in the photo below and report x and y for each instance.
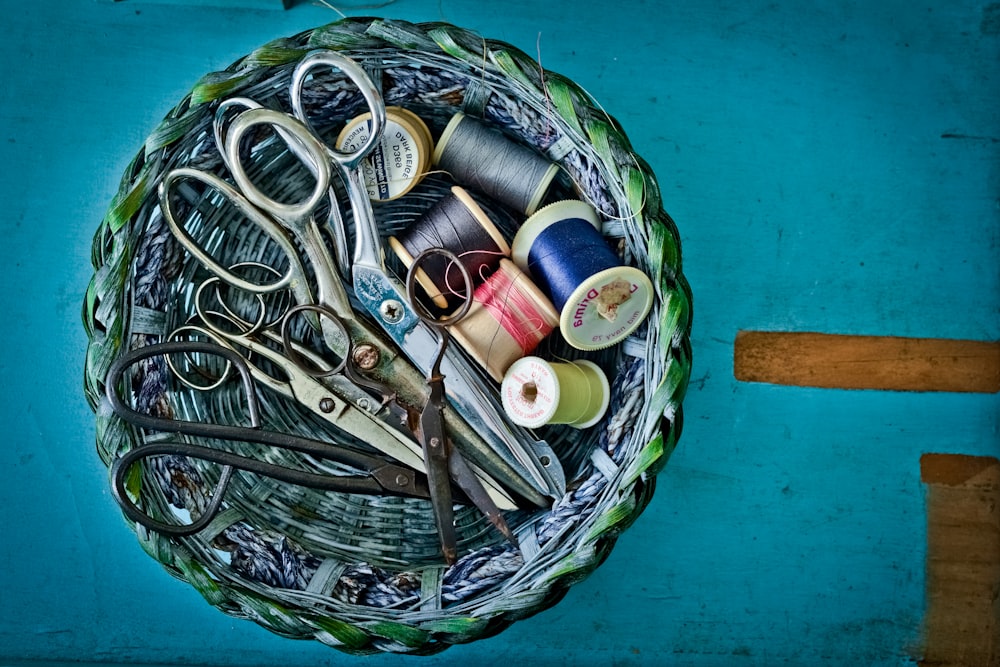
(536, 392)
(509, 317)
(399, 160)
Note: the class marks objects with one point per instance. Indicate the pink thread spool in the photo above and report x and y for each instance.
(509, 317)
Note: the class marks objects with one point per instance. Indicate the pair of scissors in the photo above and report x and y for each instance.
(482, 434)
(443, 464)
(375, 475)
(385, 299)
(336, 394)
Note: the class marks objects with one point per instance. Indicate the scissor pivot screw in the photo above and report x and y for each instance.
(366, 356)
(391, 311)
(402, 480)
(327, 404)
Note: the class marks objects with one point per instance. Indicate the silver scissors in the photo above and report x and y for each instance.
(484, 435)
(385, 299)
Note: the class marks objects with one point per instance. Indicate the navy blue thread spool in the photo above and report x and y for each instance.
(601, 301)
(481, 157)
(458, 224)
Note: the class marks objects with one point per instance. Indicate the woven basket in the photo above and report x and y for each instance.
(331, 567)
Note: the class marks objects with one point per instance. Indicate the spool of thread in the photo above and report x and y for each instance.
(600, 300)
(458, 224)
(536, 392)
(399, 160)
(509, 317)
(483, 158)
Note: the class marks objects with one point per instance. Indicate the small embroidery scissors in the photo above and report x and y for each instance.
(443, 464)
(377, 476)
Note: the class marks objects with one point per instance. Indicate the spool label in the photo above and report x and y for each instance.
(392, 165)
(607, 309)
(530, 392)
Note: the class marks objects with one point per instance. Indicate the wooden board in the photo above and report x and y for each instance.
(867, 362)
(962, 622)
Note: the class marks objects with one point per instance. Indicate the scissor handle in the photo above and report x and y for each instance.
(287, 280)
(300, 142)
(122, 468)
(411, 289)
(358, 76)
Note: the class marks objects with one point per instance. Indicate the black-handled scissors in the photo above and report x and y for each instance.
(443, 463)
(379, 476)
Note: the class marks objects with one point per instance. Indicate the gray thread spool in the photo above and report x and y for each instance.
(482, 157)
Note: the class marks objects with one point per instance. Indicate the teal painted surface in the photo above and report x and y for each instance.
(832, 167)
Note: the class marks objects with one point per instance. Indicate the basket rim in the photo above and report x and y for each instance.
(107, 316)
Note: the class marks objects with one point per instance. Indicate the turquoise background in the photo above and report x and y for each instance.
(833, 166)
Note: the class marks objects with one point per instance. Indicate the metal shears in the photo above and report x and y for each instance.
(385, 299)
(339, 394)
(480, 432)
(374, 475)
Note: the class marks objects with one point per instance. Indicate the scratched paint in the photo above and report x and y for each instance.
(832, 166)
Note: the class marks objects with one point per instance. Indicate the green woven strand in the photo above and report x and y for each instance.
(575, 567)
(343, 36)
(200, 579)
(635, 192)
(402, 35)
(599, 134)
(562, 94)
(217, 85)
(171, 130)
(269, 613)
(458, 44)
(612, 518)
(276, 53)
(508, 63)
(666, 246)
(646, 458)
(345, 634)
(125, 205)
(459, 629)
(398, 632)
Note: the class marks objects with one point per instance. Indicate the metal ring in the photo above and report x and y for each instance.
(419, 308)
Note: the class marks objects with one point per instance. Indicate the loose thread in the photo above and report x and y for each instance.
(509, 318)
(458, 224)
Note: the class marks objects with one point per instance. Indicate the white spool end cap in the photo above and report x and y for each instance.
(606, 307)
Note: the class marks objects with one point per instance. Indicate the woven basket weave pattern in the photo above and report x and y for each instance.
(351, 581)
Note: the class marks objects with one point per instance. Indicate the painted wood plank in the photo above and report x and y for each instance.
(867, 362)
(962, 622)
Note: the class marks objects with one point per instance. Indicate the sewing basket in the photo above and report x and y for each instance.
(329, 567)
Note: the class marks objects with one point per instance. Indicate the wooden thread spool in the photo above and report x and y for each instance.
(536, 392)
(509, 317)
(600, 300)
(483, 158)
(398, 161)
(458, 224)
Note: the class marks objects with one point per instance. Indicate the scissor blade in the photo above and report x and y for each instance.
(466, 479)
(485, 437)
(436, 456)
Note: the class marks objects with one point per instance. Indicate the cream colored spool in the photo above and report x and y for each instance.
(536, 392)
(484, 335)
(398, 162)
